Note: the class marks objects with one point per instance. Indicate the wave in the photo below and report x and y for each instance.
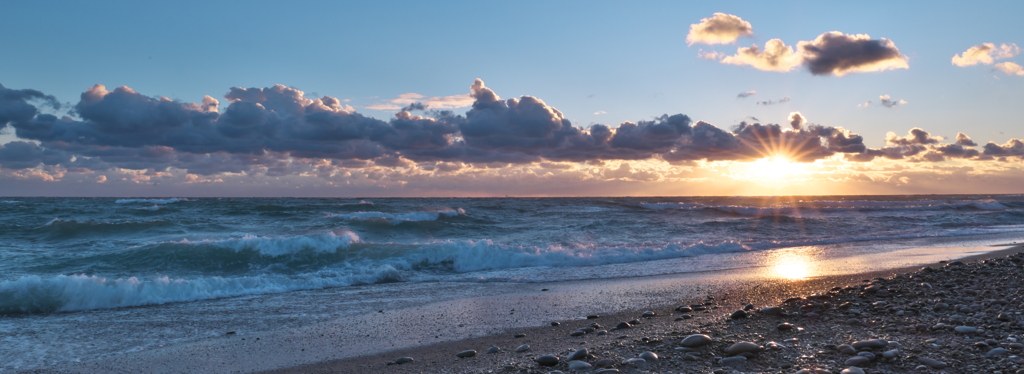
(400, 217)
(361, 202)
(327, 242)
(66, 293)
(154, 201)
(11, 201)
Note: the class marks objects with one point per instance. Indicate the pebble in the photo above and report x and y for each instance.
(649, 356)
(743, 347)
(555, 323)
(547, 360)
(648, 314)
(636, 362)
(735, 361)
(466, 353)
(607, 371)
(738, 314)
(771, 311)
(875, 343)
(623, 325)
(604, 363)
(684, 309)
(523, 348)
(593, 316)
(602, 332)
(579, 354)
(852, 370)
(966, 329)
(933, 363)
(996, 352)
(577, 333)
(403, 360)
(785, 326)
(696, 340)
(891, 354)
(857, 361)
(519, 335)
(579, 366)
(493, 349)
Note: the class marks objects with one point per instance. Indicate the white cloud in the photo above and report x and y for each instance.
(719, 29)
(437, 102)
(1010, 68)
(985, 53)
(776, 56)
(713, 55)
(600, 112)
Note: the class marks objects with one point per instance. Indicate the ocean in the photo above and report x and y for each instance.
(70, 267)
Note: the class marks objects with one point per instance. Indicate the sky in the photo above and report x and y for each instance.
(525, 99)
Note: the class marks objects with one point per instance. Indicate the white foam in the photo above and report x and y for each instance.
(989, 205)
(401, 217)
(154, 201)
(326, 242)
(11, 201)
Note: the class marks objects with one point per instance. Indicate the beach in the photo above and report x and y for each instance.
(371, 343)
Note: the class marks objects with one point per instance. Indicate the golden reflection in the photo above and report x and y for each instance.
(793, 264)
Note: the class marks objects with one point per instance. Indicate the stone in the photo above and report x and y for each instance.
(493, 350)
(649, 356)
(891, 353)
(623, 325)
(607, 371)
(996, 352)
(635, 362)
(966, 329)
(604, 363)
(771, 311)
(869, 355)
(519, 335)
(875, 343)
(593, 316)
(579, 366)
(857, 361)
(684, 309)
(1003, 317)
(466, 353)
(734, 362)
(738, 314)
(785, 326)
(403, 360)
(523, 348)
(555, 323)
(578, 355)
(933, 363)
(648, 314)
(846, 349)
(696, 340)
(743, 347)
(852, 370)
(602, 332)
(547, 360)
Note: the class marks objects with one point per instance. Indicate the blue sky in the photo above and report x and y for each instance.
(629, 61)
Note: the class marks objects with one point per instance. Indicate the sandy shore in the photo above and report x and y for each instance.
(914, 319)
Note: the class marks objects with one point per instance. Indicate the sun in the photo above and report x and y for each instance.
(776, 167)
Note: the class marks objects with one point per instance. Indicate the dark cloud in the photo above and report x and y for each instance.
(835, 53)
(1012, 148)
(964, 140)
(889, 102)
(797, 120)
(23, 155)
(744, 95)
(916, 136)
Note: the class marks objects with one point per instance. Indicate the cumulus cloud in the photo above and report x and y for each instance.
(836, 53)
(1010, 68)
(831, 53)
(915, 136)
(776, 56)
(744, 95)
(797, 120)
(721, 28)
(985, 53)
(889, 102)
(964, 140)
(865, 104)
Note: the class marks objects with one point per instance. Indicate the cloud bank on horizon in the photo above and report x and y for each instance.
(278, 132)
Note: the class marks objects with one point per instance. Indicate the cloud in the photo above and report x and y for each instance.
(865, 104)
(985, 53)
(776, 56)
(713, 55)
(721, 28)
(1010, 68)
(600, 112)
(744, 95)
(797, 120)
(915, 136)
(831, 53)
(888, 102)
(964, 140)
(773, 102)
(437, 102)
(835, 53)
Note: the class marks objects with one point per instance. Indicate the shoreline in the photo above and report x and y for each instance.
(660, 333)
(367, 341)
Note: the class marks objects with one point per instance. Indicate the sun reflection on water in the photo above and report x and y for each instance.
(794, 264)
